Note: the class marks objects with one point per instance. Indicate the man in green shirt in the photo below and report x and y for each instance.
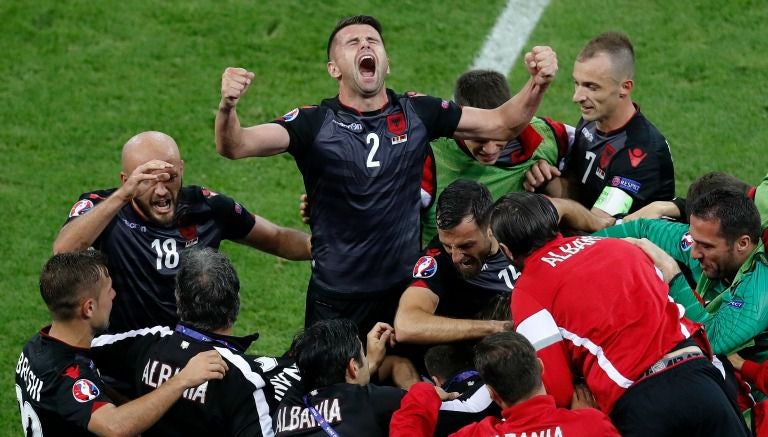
(499, 165)
(723, 249)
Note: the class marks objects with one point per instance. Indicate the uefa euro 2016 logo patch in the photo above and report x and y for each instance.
(84, 390)
(686, 242)
(425, 267)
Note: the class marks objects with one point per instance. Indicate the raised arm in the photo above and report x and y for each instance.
(508, 120)
(286, 243)
(234, 141)
(416, 322)
(81, 232)
(138, 415)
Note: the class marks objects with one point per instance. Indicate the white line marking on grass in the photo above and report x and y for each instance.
(509, 34)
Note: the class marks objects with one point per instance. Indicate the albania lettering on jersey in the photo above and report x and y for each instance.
(157, 373)
(294, 418)
(568, 250)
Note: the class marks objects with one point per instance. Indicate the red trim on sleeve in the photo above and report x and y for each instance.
(97, 405)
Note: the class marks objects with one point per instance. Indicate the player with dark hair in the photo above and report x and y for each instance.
(208, 299)
(144, 225)
(499, 165)
(507, 362)
(337, 396)
(462, 269)
(723, 250)
(58, 386)
(637, 353)
(361, 155)
(678, 207)
(620, 162)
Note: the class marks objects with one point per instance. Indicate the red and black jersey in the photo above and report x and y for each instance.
(144, 257)
(634, 159)
(146, 358)
(461, 297)
(362, 173)
(58, 388)
(350, 409)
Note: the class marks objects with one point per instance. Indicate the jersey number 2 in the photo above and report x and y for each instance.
(166, 253)
(372, 140)
(30, 423)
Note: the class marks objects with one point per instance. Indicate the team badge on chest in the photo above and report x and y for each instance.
(396, 123)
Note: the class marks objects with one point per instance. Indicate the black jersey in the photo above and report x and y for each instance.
(350, 409)
(624, 170)
(281, 375)
(473, 405)
(146, 358)
(58, 388)
(362, 174)
(460, 297)
(144, 257)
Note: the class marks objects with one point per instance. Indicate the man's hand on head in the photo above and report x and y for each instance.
(144, 177)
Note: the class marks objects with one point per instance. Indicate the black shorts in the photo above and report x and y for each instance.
(685, 400)
(365, 309)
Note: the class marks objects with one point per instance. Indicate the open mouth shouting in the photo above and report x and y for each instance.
(366, 65)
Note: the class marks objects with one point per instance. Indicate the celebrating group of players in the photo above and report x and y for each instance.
(523, 321)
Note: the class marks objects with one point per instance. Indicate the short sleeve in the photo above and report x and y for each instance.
(441, 117)
(302, 125)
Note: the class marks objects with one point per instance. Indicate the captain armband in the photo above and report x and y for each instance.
(614, 201)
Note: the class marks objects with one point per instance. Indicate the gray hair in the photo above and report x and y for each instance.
(207, 290)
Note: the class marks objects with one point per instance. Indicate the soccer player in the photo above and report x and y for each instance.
(337, 396)
(151, 219)
(208, 301)
(499, 165)
(724, 253)
(513, 375)
(361, 155)
(58, 387)
(462, 269)
(620, 162)
(596, 307)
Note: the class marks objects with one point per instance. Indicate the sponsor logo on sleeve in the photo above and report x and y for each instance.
(291, 115)
(80, 208)
(208, 193)
(84, 390)
(425, 267)
(686, 242)
(444, 104)
(736, 303)
(626, 184)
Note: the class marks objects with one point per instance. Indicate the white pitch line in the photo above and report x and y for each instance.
(509, 34)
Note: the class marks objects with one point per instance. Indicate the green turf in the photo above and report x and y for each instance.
(80, 77)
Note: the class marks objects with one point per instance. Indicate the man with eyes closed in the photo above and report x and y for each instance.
(144, 225)
(361, 155)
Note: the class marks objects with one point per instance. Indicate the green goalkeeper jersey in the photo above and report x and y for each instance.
(735, 315)
(543, 139)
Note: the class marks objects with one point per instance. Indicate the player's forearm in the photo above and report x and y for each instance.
(228, 132)
(518, 111)
(294, 245)
(425, 328)
(80, 233)
(578, 217)
(138, 415)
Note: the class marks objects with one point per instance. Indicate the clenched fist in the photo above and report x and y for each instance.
(234, 83)
(541, 63)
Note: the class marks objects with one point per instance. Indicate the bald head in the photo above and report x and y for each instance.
(146, 146)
